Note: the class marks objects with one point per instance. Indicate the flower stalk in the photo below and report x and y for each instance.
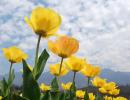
(11, 65)
(37, 50)
(62, 59)
(74, 77)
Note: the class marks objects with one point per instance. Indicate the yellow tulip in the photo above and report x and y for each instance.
(91, 96)
(108, 98)
(14, 54)
(90, 70)
(110, 86)
(114, 98)
(75, 63)
(1, 97)
(103, 90)
(44, 87)
(66, 86)
(98, 82)
(120, 98)
(64, 46)
(80, 94)
(54, 70)
(44, 21)
(114, 92)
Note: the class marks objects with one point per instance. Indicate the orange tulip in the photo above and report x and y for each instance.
(64, 46)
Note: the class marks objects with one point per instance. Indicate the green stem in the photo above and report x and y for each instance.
(60, 70)
(88, 81)
(9, 85)
(37, 50)
(74, 77)
(11, 65)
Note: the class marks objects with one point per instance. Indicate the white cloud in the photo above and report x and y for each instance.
(101, 26)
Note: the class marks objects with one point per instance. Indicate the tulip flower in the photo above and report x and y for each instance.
(91, 96)
(80, 94)
(114, 92)
(54, 70)
(90, 70)
(45, 22)
(14, 54)
(64, 46)
(44, 87)
(66, 86)
(75, 64)
(120, 98)
(109, 88)
(98, 82)
(114, 98)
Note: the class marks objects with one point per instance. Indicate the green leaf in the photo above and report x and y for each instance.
(30, 86)
(17, 97)
(73, 91)
(62, 96)
(5, 98)
(41, 64)
(54, 85)
(55, 95)
(4, 88)
(86, 96)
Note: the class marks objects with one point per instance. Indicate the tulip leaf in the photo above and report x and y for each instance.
(30, 86)
(62, 96)
(41, 64)
(73, 91)
(55, 95)
(4, 87)
(86, 96)
(54, 85)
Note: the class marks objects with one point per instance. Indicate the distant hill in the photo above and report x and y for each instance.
(122, 78)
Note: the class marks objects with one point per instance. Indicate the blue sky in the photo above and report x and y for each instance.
(101, 26)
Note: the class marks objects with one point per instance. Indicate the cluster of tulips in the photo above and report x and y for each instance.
(45, 23)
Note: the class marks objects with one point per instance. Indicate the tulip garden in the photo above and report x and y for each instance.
(45, 23)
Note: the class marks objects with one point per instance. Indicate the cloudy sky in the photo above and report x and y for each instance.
(101, 26)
